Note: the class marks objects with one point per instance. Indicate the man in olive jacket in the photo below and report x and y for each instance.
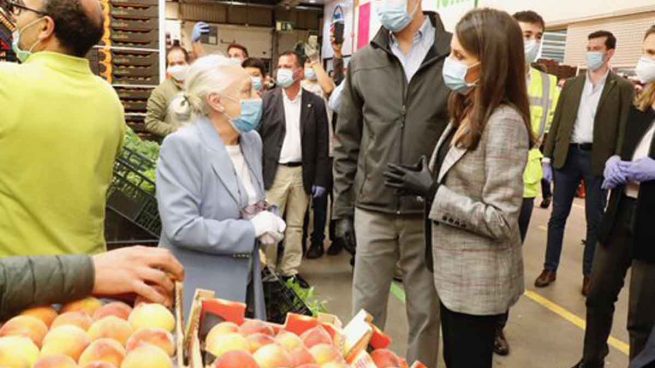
(393, 110)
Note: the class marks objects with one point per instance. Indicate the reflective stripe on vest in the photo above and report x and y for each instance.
(544, 102)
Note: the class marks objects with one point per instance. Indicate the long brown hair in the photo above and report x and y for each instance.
(645, 99)
(495, 38)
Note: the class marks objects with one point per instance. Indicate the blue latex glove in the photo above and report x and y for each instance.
(641, 170)
(199, 29)
(614, 173)
(548, 171)
(318, 191)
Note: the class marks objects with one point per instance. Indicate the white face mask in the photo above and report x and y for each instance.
(532, 48)
(178, 72)
(646, 70)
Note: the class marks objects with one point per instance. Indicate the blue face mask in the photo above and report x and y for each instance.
(394, 16)
(257, 83)
(285, 78)
(454, 75)
(251, 115)
(310, 74)
(23, 55)
(595, 60)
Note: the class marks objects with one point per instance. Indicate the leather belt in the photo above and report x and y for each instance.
(582, 146)
(292, 164)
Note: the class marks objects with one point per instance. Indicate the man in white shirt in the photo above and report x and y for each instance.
(294, 132)
(586, 131)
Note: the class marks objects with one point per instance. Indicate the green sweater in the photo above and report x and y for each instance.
(159, 120)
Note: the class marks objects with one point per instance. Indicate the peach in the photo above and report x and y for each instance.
(152, 316)
(235, 359)
(46, 314)
(289, 340)
(111, 327)
(223, 328)
(384, 358)
(258, 340)
(79, 319)
(103, 350)
(56, 361)
(99, 365)
(335, 365)
(26, 326)
(253, 326)
(116, 309)
(153, 336)
(147, 356)
(272, 356)
(316, 336)
(309, 366)
(224, 343)
(89, 305)
(66, 340)
(325, 353)
(18, 351)
(300, 356)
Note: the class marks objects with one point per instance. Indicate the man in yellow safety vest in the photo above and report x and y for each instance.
(543, 93)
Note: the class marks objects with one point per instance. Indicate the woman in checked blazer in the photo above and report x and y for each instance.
(473, 185)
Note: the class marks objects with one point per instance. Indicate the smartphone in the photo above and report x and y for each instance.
(338, 32)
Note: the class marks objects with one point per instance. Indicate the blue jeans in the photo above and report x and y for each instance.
(567, 179)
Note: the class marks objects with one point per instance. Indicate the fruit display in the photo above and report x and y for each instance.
(89, 333)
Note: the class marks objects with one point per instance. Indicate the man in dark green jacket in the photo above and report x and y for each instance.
(393, 110)
(43, 280)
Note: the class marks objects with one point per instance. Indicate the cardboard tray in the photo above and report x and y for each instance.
(151, 24)
(132, 12)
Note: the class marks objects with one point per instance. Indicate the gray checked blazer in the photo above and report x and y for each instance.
(476, 245)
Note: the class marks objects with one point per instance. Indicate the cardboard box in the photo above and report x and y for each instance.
(151, 24)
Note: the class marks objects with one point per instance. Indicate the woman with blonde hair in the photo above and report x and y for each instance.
(627, 235)
(210, 188)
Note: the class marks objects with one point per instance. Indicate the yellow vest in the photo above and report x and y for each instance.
(543, 94)
(61, 128)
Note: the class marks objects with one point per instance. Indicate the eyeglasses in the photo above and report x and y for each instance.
(16, 9)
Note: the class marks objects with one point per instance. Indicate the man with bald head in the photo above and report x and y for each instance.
(61, 128)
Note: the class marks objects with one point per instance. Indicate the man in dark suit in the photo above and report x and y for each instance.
(585, 132)
(294, 131)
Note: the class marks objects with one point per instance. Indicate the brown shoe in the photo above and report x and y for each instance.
(546, 278)
(586, 284)
(501, 346)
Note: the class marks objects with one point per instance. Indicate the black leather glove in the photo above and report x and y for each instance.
(344, 231)
(412, 180)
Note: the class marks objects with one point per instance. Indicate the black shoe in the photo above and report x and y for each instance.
(298, 279)
(578, 365)
(545, 203)
(501, 346)
(335, 248)
(315, 251)
(352, 261)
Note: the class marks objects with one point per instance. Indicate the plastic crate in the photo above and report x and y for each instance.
(281, 299)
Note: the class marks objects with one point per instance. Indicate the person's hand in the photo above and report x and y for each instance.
(344, 230)
(639, 171)
(199, 29)
(411, 180)
(548, 171)
(318, 191)
(270, 239)
(311, 49)
(614, 174)
(267, 222)
(149, 273)
(336, 47)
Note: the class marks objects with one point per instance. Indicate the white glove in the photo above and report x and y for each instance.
(267, 222)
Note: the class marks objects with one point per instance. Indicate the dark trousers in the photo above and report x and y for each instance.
(567, 179)
(468, 341)
(611, 264)
(320, 208)
(524, 223)
(546, 192)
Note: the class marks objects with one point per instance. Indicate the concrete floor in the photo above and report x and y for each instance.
(539, 337)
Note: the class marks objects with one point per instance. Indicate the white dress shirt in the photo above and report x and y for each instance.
(292, 146)
(242, 171)
(632, 189)
(423, 41)
(583, 130)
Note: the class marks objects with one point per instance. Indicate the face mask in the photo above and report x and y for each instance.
(394, 16)
(454, 75)
(310, 74)
(531, 49)
(257, 83)
(646, 70)
(595, 60)
(251, 115)
(21, 54)
(285, 78)
(178, 72)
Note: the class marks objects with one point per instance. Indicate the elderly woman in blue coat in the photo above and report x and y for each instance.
(209, 176)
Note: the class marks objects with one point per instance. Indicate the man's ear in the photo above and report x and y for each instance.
(47, 29)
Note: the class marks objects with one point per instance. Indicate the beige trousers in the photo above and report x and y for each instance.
(289, 195)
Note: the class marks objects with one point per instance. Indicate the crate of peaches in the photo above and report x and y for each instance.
(92, 333)
(219, 336)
